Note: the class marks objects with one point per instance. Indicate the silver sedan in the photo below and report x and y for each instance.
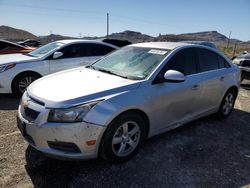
(110, 107)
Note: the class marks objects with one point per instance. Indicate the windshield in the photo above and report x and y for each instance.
(131, 62)
(44, 50)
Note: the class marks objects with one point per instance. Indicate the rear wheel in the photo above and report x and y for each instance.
(227, 104)
(22, 81)
(123, 138)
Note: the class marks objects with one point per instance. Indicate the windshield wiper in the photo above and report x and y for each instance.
(113, 73)
(28, 55)
(92, 67)
(110, 72)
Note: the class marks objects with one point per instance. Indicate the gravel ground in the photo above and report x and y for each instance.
(205, 153)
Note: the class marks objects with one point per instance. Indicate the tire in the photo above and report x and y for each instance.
(227, 104)
(123, 138)
(21, 82)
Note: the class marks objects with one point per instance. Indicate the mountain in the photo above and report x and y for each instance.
(132, 36)
(52, 37)
(212, 36)
(13, 34)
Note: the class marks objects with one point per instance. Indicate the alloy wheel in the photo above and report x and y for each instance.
(228, 104)
(126, 138)
(25, 82)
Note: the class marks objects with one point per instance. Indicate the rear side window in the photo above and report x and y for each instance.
(208, 60)
(183, 61)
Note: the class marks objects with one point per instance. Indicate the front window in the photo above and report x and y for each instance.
(131, 62)
(44, 50)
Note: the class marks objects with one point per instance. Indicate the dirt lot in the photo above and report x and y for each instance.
(204, 153)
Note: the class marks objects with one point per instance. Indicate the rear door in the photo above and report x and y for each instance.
(213, 76)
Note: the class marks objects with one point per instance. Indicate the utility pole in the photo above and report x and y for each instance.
(229, 37)
(234, 48)
(107, 25)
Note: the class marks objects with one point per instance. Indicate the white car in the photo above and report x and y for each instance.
(17, 71)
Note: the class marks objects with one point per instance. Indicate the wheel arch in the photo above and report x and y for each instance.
(234, 88)
(140, 113)
(21, 74)
(137, 111)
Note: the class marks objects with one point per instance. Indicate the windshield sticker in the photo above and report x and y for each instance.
(159, 52)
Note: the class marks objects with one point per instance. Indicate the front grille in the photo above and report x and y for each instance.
(64, 147)
(30, 114)
(245, 63)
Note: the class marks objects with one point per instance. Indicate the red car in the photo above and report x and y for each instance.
(7, 47)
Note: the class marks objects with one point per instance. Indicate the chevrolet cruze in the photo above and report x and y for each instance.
(109, 108)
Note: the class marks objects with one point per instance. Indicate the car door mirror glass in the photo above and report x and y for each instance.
(174, 76)
(56, 55)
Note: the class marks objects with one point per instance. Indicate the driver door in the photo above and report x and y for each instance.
(74, 55)
(177, 102)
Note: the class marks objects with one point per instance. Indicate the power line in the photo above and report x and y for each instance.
(116, 16)
(54, 9)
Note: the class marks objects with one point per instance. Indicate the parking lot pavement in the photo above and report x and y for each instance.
(205, 153)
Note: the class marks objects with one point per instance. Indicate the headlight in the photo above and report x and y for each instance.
(75, 114)
(236, 61)
(6, 67)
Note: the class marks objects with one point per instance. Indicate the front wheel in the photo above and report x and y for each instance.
(21, 83)
(227, 104)
(123, 138)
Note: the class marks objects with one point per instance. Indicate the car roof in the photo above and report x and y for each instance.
(162, 45)
(69, 41)
(116, 42)
(203, 43)
(244, 56)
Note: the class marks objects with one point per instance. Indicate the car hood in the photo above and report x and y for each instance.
(15, 58)
(77, 86)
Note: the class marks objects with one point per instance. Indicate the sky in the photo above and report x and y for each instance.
(78, 18)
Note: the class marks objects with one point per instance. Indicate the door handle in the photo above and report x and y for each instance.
(222, 78)
(195, 87)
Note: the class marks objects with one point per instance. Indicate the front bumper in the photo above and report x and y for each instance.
(61, 140)
(5, 83)
(245, 72)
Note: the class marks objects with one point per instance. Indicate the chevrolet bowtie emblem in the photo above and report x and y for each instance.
(25, 103)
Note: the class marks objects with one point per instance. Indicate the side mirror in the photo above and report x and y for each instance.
(57, 55)
(174, 76)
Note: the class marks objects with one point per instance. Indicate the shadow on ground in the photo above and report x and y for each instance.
(8, 102)
(205, 153)
(245, 86)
